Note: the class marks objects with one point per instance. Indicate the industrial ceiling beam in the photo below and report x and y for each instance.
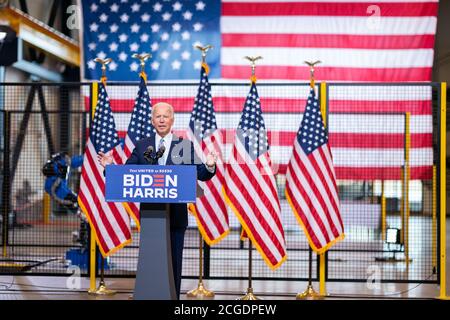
(42, 37)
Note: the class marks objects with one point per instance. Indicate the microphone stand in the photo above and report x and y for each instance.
(149, 155)
(152, 157)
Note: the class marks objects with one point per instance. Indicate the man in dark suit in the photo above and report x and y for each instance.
(177, 151)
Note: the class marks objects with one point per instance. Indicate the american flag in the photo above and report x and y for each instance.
(210, 209)
(384, 41)
(250, 186)
(166, 29)
(356, 40)
(311, 181)
(140, 127)
(109, 220)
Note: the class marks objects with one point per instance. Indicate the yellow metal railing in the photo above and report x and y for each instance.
(92, 251)
(402, 204)
(383, 212)
(406, 187)
(323, 110)
(434, 220)
(443, 191)
(46, 204)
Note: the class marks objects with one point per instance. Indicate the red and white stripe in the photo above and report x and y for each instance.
(355, 40)
(110, 220)
(312, 193)
(128, 147)
(131, 207)
(210, 210)
(250, 189)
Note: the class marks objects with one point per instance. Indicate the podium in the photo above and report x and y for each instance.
(157, 187)
(154, 277)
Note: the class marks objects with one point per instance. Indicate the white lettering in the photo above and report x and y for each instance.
(171, 181)
(187, 310)
(173, 193)
(374, 21)
(74, 281)
(146, 180)
(73, 21)
(373, 281)
(127, 192)
(148, 193)
(128, 180)
(159, 193)
(138, 193)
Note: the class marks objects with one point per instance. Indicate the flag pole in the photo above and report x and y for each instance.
(249, 294)
(201, 292)
(310, 293)
(102, 289)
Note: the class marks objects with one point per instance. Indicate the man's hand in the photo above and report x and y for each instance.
(211, 159)
(105, 158)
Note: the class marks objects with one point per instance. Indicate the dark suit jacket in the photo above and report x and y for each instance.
(180, 152)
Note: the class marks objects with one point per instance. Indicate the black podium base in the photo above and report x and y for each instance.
(154, 278)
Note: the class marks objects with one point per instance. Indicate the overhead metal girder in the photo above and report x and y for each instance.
(33, 67)
(42, 37)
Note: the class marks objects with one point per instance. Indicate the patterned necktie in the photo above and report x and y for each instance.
(161, 161)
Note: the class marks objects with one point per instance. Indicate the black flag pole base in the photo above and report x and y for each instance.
(308, 294)
(102, 290)
(201, 292)
(249, 295)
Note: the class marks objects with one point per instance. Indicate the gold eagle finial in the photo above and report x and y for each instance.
(204, 50)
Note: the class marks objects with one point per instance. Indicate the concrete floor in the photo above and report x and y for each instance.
(32, 287)
(68, 288)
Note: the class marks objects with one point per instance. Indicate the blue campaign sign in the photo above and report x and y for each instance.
(150, 183)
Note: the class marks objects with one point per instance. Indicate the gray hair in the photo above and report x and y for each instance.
(162, 104)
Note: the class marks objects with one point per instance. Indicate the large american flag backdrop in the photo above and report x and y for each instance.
(357, 41)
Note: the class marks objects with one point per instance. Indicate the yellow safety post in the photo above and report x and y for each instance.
(92, 266)
(373, 199)
(323, 102)
(383, 212)
(6, 187)
(94, 98)
(93, 260)
(322, 284)
(323, 110)
(402, 204)
(443, 192)
(434, 221)
(46, 204)
(5, 237)
(407, 178)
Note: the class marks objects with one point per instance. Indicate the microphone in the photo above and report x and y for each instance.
(160, 153)
(148, 155)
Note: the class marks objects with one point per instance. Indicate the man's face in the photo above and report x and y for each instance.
(162, 119)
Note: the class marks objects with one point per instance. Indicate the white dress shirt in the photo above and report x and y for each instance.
(167, 143)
